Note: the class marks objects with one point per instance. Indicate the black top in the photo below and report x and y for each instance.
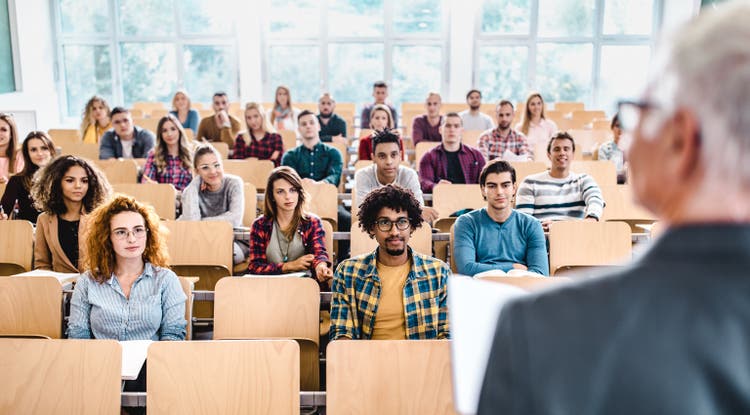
(15, 190)
(336, 125)
(454, 170)
(67, 234)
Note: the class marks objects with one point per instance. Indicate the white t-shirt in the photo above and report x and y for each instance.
(480, 121)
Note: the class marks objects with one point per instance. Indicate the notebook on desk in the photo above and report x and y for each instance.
(474, 307)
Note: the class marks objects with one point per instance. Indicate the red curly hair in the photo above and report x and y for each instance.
(99, 255)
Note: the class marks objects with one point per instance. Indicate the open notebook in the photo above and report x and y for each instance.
(474, 307)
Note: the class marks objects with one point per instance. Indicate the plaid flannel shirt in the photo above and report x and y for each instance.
(356, 293)
(174, 172)
(262, 149)
(313, 238)
(493, 145)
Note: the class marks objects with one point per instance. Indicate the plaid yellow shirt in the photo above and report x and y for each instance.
(356, 291)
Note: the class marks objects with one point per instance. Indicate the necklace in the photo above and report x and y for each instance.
(279, 238)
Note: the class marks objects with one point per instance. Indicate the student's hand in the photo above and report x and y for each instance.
(520, 266)
(3, 180)
(222, 119)
(275, 155)
(3, 216)
(323, 273)
(545, 225)
(302, 263)
(591, 219)
(443, 181)
(429, 214)
(147, 179)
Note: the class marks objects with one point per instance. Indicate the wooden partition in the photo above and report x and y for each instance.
(576, 243)
(17, 241)
(60, 376)
(31, 306)
(527, 283)
(159, 195)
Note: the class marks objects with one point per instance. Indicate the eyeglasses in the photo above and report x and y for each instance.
(385, 225)
(139, 232)
(630, 113)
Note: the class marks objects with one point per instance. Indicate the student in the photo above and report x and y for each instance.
(611, 151)
(66, 190)
(10, 161)
(221, 126)
(426, 127)
(380, 119)
(126, 140)
(286, 238)
(260, 140)
(214, 195)
(95, 120)
(537, 129)
(37, 150)
(283, 115)
(171, 159)
(380, 93)
(181, 108)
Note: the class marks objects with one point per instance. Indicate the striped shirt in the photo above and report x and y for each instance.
(547, 198)
(356, 294)
(154, 311)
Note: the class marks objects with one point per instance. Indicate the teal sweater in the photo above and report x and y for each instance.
(481, 244)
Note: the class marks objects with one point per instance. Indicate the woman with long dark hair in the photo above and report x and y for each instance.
(37, 150)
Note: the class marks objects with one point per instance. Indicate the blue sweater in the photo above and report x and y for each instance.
(481, 244)
(191, 121)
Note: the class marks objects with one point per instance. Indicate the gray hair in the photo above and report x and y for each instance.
(707, 70)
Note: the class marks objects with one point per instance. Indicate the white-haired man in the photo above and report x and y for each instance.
(670, 333)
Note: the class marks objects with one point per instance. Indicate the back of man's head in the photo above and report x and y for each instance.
(706, 69)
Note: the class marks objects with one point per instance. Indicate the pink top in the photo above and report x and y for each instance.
(539, 134)
(4, 161)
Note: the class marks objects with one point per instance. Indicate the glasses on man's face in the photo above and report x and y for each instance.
(385, 225)
(139, 232)
(630, 113)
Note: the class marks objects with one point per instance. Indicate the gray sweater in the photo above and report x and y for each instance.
(227, 203)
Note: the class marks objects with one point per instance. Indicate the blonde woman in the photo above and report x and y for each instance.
(283, 115)
(260, 140)
(182, 109)
(10, 159)
(95, 120)
(537, 129)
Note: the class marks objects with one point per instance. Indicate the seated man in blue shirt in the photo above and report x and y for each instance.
(498, 237)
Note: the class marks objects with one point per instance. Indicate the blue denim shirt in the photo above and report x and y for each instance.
(154, 311)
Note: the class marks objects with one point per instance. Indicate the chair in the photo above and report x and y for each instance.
(147, 107)
(119, 170)
(603, 172)
(159, 195)
(361, 164)
(222, 148)
(159, 113)
(471, 137)
(187, 284)
(527, 283)
(450, 198)
(389, 377)
(17, 246)
(361, 243)
(620, 206)
(272, 307)
(150, 124)
(601, 124)
(31, 306)
(84, 150)
(203, 249)
(251, 171)
(328, 229)
(60, 376)
(223, 377)
(251, 205)
(64, 136)
(586, 140)
(323, 201)
(422, 148)
(527, 168)
(568, 107)
(586, 117)
(576, 243)
(288, 139)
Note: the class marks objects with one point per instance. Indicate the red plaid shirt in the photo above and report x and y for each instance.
(174, 172)
(493, 145)
(313, 238)
(262, 149)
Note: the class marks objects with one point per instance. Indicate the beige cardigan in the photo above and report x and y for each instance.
(48, 254)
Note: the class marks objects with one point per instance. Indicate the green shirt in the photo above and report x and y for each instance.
(322, 163)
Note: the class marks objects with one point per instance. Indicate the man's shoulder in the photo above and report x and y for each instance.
(356, 265)
(428, 264)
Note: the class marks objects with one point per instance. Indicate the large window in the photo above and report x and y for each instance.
(143, 50)
(343, 46)
(592, 51)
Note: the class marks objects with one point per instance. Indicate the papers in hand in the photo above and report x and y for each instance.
(474, 307)
(511, 156)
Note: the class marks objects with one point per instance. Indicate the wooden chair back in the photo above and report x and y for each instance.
(223, 377)
(272, 307)
(148, 106)
(450, 198)
(64, 136)
(17, 239)
(527, 168)
(361, 374)
(251, 171)
(187, 285)
(568, 107)
(361, 243)
(527, 283)
(583, 117)
(150, 124)
(251, 205)
(84, 150)
(159, 195)
(620, 205)
(323, 201)
(60, 376)
(200, 243)
(471, 137)
(222, 148)
(119, 171)
(576, 243)
(288, 139)
(31, 306)
(603, 172)
(159, 113)
(586, 140)
(422, 148)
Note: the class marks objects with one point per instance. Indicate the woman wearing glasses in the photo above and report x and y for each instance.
(127, 292)
(286, 238)
(65, 191)
(37, 150)
(214, 195)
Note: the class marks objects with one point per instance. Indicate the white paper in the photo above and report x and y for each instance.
(133, 356)
(474, 307)
(299, 274)
(63, 277)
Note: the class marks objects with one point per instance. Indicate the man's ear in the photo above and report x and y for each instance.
(685, 141)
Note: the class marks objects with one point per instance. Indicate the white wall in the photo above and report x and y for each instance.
(37, 91)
